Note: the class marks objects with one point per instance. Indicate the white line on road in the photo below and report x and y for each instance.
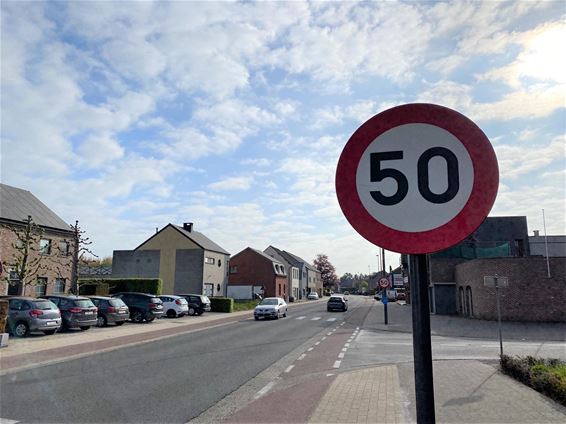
(347, 345)
(300, 318)
(331, 319)
(317, 343)
(329, 375)
(344, 349)
(265, 389)
(289, 368)
(341, 355)
(300, 358)
(324, 338)
(309, 349)
(337, 364)
(357, 328)
(315, 319)
(329, 334)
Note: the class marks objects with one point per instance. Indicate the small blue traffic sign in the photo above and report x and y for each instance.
(384, 299)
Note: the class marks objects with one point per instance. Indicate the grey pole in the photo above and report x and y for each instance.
(498, 315)
(422, 350)
(546, 245)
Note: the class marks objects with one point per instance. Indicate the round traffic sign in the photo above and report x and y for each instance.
(417, 178)
(383, 283)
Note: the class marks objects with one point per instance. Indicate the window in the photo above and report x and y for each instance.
(233, 269)
(45, 246)
(59, 287)
(219, 263)
(63, 248)
(209, 261)
(41, 286)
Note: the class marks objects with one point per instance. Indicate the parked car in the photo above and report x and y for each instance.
(28, 314)
(337, 303)
(174, 306)
(401, 296)
(312, 296)
(271, 307)
(110, 310)
(198, 303)
(76, 311)
(142, 306)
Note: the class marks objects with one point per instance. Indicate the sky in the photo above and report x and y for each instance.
(128, 116)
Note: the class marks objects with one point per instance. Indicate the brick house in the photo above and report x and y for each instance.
(293, 272)
(186, 261)
(252, 267)
(54, 247)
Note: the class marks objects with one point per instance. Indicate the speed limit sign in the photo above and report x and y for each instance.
(383, 283)
(417, 178)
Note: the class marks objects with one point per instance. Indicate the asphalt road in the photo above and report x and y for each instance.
(171, 380)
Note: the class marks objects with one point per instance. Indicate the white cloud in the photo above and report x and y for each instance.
(232, 183)
(261, 162)
(100, 149)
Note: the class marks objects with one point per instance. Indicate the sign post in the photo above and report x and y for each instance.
(496, 281)
(384, 284)
(416, 179)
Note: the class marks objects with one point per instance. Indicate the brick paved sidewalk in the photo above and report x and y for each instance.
(466, 391)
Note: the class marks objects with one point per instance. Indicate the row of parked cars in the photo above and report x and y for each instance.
(51, 313)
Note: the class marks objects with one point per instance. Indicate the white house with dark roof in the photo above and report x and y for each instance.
(186, 261)
(53, 247)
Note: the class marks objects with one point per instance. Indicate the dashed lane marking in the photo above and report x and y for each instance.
(331, 319)
(265, 389)
(300, 318)
(337, 364)
(300, 358)
(347, 345)
(324, 338)
(315, 319)
(309, 349)
(289, 368)
(344, 349)
(329, 334)
(317, 343)
(341, 355)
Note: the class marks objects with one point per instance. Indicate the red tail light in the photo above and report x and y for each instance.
(111, 309)
(35, 313)
(178, 302)
(75, 310)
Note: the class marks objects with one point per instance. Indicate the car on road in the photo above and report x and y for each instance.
(27, 314)
(76, 311)
(401, 296)
(198, 303)
(312, 296)
(110, 310)
(271, 307)
(174, 306)
(142, 306)
(337, 303)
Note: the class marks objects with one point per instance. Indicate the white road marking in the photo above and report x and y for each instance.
(300, 318)
(341, 355)
(324, 338)
(309, 349)
(331, 319)
(300, 358)
(317, 343)
(347, 345)
(357, 328)
(329, 334)
(289, 368)
(329, 375)
(7, 421)
(344, 349)
(337, 364)
(315, 319)
(265, 389)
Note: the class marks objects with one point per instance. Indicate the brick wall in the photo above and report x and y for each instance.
(530, 296)
(256, 270)
(55, 264)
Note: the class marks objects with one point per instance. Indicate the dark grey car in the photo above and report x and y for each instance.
(110, 310)
(76, 311)
(28, 314)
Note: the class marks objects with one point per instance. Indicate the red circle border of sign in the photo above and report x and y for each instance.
(381, 285)
(482, 197)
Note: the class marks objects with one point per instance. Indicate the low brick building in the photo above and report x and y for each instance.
(52, 246)
(529, 296)
(254, 268)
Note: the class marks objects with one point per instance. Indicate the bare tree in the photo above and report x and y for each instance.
(80, 252)
(27, 261)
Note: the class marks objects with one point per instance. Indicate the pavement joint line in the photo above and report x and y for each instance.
(300, 358)
(336, 364)
(289, 368)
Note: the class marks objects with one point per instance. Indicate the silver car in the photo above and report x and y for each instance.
(28, 314)
(271, 307)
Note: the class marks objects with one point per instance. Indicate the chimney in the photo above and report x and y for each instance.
(535, 232)
(188, 226)
(156, 230)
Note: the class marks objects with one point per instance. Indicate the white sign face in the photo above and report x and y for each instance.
(415, 177)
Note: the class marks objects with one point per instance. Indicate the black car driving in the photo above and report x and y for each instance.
(337, 303)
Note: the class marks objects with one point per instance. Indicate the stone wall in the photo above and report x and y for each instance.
(530, 296)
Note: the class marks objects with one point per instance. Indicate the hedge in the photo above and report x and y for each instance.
(547, 376)
(139, 285)
(222, 304)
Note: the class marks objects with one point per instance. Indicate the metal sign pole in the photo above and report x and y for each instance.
(498, 315)
(422, 350)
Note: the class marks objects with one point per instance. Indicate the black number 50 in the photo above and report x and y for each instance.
(378, 174)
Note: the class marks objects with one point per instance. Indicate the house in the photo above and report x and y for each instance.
(255, 272)
(186, 261)
(293, 278)
(50, 259)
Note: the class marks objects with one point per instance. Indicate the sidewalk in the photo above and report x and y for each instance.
(465, 391)
(400, 320)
